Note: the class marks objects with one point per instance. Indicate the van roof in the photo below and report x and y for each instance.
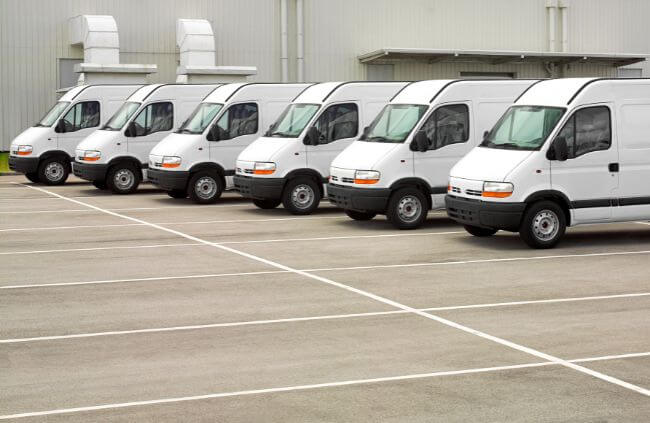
(425, 92)
(74, 92)
(148, 90)
(233, 92)
(335, 91)
(553, 92)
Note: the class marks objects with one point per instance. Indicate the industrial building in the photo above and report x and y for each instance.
(317, 40)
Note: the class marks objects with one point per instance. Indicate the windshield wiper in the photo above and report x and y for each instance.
(377, 139)
(280, 134)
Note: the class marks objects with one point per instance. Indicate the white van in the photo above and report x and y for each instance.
(115, 155)
(290, 164)
(400, 165)
(44, 152)
(204, 150)
(568, 152)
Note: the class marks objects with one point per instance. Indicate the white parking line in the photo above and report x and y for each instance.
(197, 206)
(384, 300)
(315, 386)
(126, 247)
(310, 318)
(252, 241)
(201, 222)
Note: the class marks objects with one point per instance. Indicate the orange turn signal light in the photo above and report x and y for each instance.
(24, 153)
(90, 159)
(263, 172)
(366, 181)
(493, 194)
(171, 164)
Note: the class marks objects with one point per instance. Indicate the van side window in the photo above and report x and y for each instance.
(82, 115)
(238, 120)
(338, 122)
(447, 125)
(587, 130)
(156, 117)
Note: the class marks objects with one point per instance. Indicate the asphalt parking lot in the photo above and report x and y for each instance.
(147, 308)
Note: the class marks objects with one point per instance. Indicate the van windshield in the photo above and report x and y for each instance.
(292, 121)
(122, 116)
(200, 118)
(53, 115)
(523, 128)
(394, 123)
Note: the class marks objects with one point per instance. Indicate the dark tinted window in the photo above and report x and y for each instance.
(588, 130)
(82, 115)
(447, 125)
(337, 122)
(156, 117)
(238, 120)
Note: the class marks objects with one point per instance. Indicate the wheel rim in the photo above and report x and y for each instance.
(54, 171)
(409, 208)
(205, 188)
(124, 179)
(546, 225)
(302, 196)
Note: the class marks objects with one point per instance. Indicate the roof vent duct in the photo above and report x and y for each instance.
(100, 40)
(195, 40)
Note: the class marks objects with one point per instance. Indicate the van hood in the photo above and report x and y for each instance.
(264, 149)
(32, 135)
(99, 139)
(489, 164)
(176, 144)
(363, 155)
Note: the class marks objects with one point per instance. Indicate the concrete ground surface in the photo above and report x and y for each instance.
(147, 308)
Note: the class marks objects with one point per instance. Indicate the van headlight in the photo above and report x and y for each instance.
(366, 177)
(497, 189)
(24, 150)
(263, 168)
(91, 156)
(171, 161)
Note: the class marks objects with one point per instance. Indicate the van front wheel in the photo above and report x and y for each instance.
(543, 225)
(480, 232)
(205, 187)
(407, 208)
(54, 171)
(123, 178)
(301, 195)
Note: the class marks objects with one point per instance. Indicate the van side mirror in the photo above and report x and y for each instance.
(271, 129)
(364, 134)
(213, 133)
(486, 134)
(420, 142)
(559, 150)
(130, 130)
(312, 137)
(60, 127)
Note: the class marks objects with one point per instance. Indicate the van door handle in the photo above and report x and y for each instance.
(613, 167)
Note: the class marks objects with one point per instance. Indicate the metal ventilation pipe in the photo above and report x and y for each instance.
(551, 6)
(98, 35)
(284, 53)
(300, 42)
(195, 40)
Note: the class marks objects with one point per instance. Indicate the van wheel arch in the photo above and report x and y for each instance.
(310, 173)
(210, 167)
(125, 159)
(56, 153)
(550, 195)
(418, 183)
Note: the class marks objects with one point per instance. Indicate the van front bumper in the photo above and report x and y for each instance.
(360, 199)
(485, 214)
(90, 172)
(168, 179)
(23, 164)
(259, 188)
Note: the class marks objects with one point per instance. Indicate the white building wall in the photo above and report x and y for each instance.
(33, 35)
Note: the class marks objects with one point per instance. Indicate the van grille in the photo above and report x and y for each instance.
(473, 192)
(455, 189)
(334, 178)
(348, 180)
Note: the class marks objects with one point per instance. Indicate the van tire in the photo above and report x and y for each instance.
(177, 193)
(33, 177)
(123, 178)
(358, 215)
(301, 195)
(100, 184)
(480, 232)
(543, 225)
(54, 171)
(407, 208)
(205, 187)
(267, 204)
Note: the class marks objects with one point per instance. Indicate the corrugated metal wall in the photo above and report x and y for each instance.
(34, 34)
